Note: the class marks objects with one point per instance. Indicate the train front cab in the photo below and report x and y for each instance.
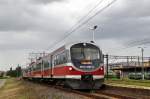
(87, 70)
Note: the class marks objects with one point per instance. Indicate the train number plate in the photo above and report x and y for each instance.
(86, 66)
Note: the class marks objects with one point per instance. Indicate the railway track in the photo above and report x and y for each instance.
(101, 94)
(127, 92)
(117, 96)
(93, 94)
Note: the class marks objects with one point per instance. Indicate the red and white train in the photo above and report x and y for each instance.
(76, 65)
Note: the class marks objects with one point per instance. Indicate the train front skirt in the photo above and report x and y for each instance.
(84, 84)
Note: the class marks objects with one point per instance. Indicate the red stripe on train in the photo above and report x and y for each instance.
(66, 70)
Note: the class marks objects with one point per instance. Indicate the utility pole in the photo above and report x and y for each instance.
(142, 50)
(107, 65)
(138, 61)
(127, 61)
(149, 62)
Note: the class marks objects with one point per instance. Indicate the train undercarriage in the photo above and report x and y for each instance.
(83, 83)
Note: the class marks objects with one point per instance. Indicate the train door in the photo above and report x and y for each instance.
(41, 67)
(52, 65)
(49, 67)
(29, 71)
(32, 70)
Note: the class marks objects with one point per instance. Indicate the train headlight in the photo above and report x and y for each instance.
(101, 68)
(70, 68)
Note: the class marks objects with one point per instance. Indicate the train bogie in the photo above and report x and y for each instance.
(84, 84)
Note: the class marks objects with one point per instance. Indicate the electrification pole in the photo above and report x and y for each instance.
(142, 50)
(93, 28)
(107, 66)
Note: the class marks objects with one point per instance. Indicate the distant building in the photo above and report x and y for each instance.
(124, 68)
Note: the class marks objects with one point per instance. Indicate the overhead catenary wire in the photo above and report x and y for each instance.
(84, 22)
(76, 26)
(80, 20)
(86, 15)
(138, 42)
(132, 43)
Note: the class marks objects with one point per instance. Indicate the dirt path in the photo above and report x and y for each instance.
(2, 82)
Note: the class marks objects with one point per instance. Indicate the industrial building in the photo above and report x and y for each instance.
(124, 69)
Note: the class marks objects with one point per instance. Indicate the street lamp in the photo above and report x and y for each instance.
(142, 50)
(93, 28)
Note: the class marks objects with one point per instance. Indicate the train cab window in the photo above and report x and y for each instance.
(101, 57)
(85, 56)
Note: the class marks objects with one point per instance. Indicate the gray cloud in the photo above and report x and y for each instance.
(25, 16)
(35, 24)
(129, 20)
(45, 1)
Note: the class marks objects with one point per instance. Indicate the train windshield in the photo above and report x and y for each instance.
(85, 56)
(85, 53)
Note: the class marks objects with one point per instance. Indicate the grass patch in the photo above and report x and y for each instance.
(19, 89)
(145, 83)
(3, 77)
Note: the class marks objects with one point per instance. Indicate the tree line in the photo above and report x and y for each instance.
(17, 72)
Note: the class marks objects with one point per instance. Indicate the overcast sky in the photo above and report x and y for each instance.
(34, 25)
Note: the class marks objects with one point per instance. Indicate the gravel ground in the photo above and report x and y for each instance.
(52, 93)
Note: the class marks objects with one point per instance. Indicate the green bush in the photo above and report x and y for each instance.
(112, 76)
(135, 76)
(147, 76)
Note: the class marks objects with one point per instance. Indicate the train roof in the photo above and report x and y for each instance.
(59, 49)
(72, 43)
(68, 45)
